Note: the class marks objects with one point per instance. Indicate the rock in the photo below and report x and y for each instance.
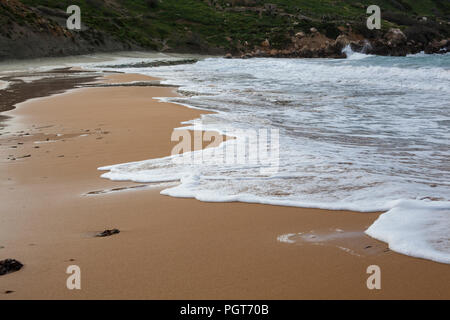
(265, 44)
(437, 47)
(333, 51)
(274, 52)
(313, 30)
(305, 52)
(228, 56)
(300, 35)
(395, 37)
(246, 56)
(362, 46)
(9, 266)
(342, 41)
(108, 233)
(443, 43)
(314, 53)
(257, 53)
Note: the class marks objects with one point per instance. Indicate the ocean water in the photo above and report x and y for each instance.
(366, 133)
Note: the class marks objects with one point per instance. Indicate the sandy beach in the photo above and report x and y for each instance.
(54, 202)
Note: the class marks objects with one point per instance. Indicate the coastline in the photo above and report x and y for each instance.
(167, 248)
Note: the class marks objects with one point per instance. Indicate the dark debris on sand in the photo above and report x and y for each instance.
(108, 233)
(9, 266)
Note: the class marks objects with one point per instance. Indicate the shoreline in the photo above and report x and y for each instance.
(168, 248)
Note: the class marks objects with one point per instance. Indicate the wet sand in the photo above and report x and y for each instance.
(52, 205)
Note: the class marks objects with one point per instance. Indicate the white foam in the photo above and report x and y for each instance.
(31, 78)
(416, 228)
(352, 55)
(355, 134)
(286, 238)
(4, 84)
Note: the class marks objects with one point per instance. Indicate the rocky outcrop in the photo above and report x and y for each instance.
(343, 40)
(316, 45)
(397, 43)
(395, 37)
(442, 46)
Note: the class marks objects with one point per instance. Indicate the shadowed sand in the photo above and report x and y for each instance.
(53, 201)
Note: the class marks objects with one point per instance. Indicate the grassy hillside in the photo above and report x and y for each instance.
(232, 25)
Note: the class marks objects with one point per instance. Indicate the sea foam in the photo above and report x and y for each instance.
(367, 135)
(416, 228)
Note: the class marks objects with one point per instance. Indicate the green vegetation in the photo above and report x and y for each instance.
(199, 25)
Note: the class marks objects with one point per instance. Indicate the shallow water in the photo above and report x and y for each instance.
(359, 134)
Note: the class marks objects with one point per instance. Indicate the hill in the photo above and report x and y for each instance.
(33, 28)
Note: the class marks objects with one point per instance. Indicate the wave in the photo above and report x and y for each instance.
(416, 228)
(355, 134)
(352, 55)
